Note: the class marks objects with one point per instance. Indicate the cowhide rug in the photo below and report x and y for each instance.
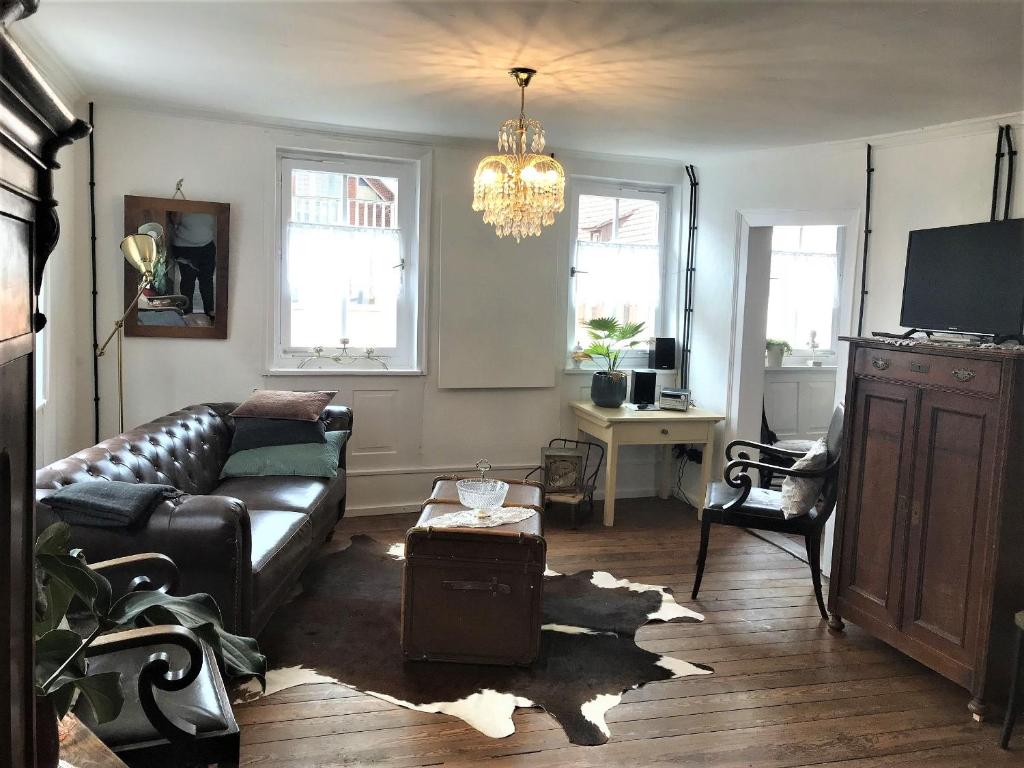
(345, 628)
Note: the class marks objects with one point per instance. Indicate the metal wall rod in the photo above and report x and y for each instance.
(95, 321)
(1010, 154)
(995, 175)
(688, 290)
(869, 172)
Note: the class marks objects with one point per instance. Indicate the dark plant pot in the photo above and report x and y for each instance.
(47, 741)
(608, 389)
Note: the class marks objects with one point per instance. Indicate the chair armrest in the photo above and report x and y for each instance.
(736, 476)
(131, 573)
(157, 672)
(760, 447)
(338, 417)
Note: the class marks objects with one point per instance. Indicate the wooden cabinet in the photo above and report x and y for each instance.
(33, 127)
(931, 513)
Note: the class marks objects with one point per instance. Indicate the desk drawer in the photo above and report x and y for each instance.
(662, 432)
(981, 376)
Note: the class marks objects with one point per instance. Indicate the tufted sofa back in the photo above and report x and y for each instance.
(186, 449)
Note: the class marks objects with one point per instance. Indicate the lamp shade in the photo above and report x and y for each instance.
(141, 252)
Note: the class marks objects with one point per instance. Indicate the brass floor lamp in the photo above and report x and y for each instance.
(142, 253)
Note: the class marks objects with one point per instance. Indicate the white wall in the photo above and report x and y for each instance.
(928, 178)
(407, 429)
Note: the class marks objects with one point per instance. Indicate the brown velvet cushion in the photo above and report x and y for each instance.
(280, 404)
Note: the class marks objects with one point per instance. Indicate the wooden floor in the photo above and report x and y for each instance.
(785, 692)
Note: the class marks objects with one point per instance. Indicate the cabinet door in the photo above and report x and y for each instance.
(875, 508)
(950, 522)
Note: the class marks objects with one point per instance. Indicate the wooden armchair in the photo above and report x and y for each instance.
(737, 501)
(176, 709)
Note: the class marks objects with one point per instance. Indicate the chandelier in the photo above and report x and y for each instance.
(521, 190)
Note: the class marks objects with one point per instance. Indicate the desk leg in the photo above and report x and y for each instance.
(611, 468)
(664, 471)
(705, 470)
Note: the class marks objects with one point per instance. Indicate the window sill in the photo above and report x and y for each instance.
(343, 372)
(624, 369)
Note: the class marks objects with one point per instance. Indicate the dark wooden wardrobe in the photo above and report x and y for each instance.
(34, 125)
(929, 544)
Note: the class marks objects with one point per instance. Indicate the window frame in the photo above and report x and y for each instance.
(665, 319)
(412, 169)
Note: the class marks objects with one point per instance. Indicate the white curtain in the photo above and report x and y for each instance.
(802, 296)
(622, 281)
(343, 283)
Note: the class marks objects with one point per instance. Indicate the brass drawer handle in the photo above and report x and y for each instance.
(963, 374)
(881, 363)
(664, 431)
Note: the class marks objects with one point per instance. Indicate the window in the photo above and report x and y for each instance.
(618, 258)
(349, 260)
(803, 293)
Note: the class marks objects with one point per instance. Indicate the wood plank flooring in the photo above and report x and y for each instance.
(786, 692)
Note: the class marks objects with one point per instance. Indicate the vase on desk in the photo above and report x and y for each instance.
(608, 388)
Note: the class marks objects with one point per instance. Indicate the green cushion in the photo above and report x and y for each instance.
(305, 459)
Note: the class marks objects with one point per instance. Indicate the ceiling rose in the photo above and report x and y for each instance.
(521, 190)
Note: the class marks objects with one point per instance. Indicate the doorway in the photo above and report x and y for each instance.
(796, 273)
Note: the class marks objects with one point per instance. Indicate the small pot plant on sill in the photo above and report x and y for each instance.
(610, 340)
(74, 605)
(775, 350)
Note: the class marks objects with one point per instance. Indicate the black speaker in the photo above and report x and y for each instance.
(643, 387)
(662, 356)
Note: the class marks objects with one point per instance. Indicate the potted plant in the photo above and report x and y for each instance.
(775, 350)
(65, 586)
(609, 341)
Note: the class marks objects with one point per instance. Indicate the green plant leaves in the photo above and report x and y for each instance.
(608, 334)
(52, 650)
(101, 692)
(237, 656)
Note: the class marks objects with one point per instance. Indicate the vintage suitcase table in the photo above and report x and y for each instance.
(474, 595)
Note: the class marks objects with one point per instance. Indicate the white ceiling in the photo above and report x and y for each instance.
(658, 79)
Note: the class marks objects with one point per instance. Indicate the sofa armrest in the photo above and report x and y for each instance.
(208, 538)
(339, 417)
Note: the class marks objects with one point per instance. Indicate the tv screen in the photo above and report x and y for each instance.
(968, 279)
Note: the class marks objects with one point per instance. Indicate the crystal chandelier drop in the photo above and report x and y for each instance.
(521, 190)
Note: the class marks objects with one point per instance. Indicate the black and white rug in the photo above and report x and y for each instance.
(345, 628)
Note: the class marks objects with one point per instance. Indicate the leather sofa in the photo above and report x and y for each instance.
(245, 540)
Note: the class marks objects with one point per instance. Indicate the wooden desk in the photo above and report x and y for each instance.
(624, 426)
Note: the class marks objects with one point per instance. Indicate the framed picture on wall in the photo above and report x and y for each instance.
(188, 296)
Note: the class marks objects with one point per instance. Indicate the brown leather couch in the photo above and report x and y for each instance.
(243, 540)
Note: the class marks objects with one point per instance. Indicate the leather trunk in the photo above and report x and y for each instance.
(474, 595)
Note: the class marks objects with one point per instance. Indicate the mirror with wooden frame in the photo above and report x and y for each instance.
(188, 296)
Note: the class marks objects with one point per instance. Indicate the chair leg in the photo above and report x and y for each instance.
(813, 542)
(702, 556)
(1012, 704)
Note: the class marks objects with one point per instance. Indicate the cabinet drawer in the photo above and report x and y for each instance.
(662, 432)
(981, 376)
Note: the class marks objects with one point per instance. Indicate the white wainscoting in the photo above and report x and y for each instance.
(798, 401)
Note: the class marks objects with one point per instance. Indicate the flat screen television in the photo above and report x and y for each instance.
(967, 279)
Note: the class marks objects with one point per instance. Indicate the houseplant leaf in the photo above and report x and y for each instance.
(102, 693)
(237, 656)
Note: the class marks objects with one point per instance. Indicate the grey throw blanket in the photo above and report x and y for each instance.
(108, 504)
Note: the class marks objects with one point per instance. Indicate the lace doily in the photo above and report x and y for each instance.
(468, 518)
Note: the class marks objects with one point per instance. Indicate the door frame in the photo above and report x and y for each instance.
(745, 379)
